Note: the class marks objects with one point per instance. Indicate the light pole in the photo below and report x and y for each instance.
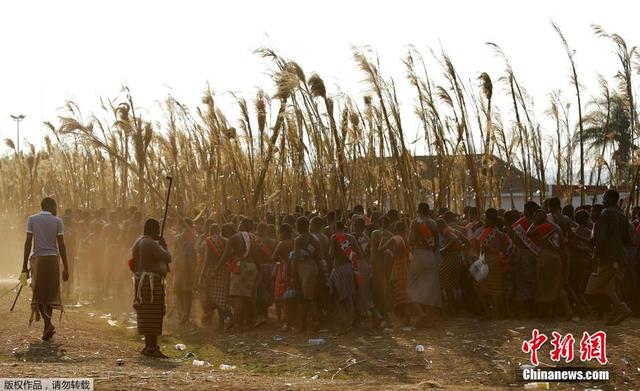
(18, 118)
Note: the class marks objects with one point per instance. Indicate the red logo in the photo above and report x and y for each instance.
(562, 347)
(592, 346)
(533, 345)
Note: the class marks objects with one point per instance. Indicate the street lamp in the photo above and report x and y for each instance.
(18, 118)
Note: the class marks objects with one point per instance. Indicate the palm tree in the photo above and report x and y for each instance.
(608, 125)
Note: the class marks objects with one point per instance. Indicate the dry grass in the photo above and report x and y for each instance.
(308, 145)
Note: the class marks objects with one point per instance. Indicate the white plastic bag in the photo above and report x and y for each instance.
(479, 269)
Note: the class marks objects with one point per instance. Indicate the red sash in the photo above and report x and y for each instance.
(263, 246)
(350, 254)
(217, 247)
(520, 228)
(427, 234)
(548, 232)
(499, 242)
(234, 265)
(482, 237)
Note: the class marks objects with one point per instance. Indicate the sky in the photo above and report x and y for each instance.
(54, 51)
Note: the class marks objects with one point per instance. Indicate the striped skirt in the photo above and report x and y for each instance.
(450, 269)
(149, 303)
(342, 282)
(496, 282)
(399, 280)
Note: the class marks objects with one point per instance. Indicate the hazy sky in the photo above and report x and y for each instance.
(81, 50)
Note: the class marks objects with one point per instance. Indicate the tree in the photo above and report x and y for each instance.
(608, 125)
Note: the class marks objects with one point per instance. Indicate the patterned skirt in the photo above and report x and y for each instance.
(450, 269)
(244, 283)
(399, 281)
(496, 282)
(342, 282)
(217, 287)
(150, 304)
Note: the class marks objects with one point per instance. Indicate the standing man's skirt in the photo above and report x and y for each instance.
(548, 276)
(150, 306)
(45, 283)
(244, 283)
(605, 279)
(423, 280)
(307, 270)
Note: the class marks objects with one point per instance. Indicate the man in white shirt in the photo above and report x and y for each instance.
(45, 236)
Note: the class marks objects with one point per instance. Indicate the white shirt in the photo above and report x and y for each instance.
(45, 228)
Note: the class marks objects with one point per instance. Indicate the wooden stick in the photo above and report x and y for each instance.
(352, 363)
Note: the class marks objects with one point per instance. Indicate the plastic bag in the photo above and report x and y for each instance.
(479, 269)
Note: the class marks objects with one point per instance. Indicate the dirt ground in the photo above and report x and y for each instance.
(460, 353)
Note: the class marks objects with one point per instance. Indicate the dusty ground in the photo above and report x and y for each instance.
(461, 353)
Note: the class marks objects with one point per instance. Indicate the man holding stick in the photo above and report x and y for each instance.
(45, 235)
(150, 264)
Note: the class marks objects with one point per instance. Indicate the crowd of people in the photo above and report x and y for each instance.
(365, 268)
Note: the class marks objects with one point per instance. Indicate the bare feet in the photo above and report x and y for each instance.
(154, 352)
(619, 315)
(261, 320)
(48, 333)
